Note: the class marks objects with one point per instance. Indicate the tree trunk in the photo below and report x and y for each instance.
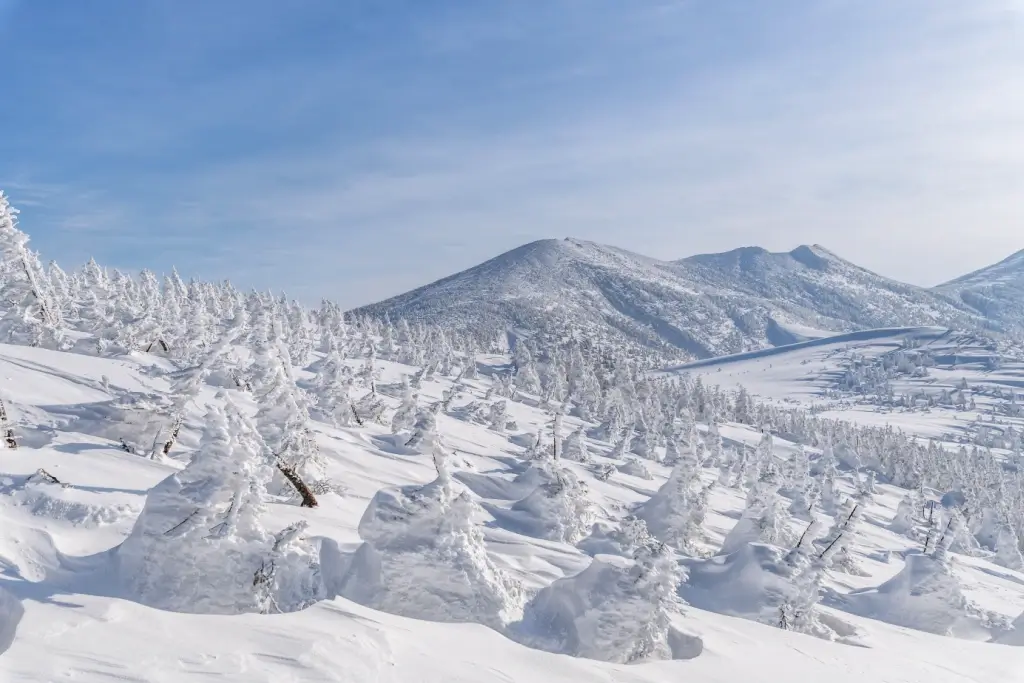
(174, 436)
(6, 430)
(308, 499)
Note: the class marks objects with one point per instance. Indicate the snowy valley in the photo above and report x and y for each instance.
(200, 483)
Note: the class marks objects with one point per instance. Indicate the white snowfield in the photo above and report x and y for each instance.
(65, 614)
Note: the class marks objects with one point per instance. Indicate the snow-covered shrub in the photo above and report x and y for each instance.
(424, 557)
(43, 496)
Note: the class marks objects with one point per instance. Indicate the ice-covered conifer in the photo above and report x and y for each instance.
(621, 447)
(829, 496)
(713, 443)
(574, 447)
(763, 519)
(333, 384)
(613, 611)
(404, 418)
(199, 544)
(672, 452)
(1008, 549)
(283, 422)
(903, 523)
(32, 315)
(836, 544)
(559, 508)
(497, 417)
(424, 557)
(673, 513)
(424, 431)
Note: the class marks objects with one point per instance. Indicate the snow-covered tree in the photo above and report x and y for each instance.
(673, 514)
(404, 418)
(613, 611)
(424, 431)
(574, 446)
(1008, 549)
(199, 544)
(763, 519)
(424, 557)
(559, 508)
(839, 538)
(498, 416)
(903, 522)
(333, 386)
(283, 422)
(29, 313)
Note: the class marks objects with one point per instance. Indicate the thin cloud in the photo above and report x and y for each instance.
(890, 132)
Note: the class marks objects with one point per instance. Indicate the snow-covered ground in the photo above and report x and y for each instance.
(857, 377)
(64, 615)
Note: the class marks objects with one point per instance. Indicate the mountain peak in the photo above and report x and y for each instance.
(813, 256)
(702, 306)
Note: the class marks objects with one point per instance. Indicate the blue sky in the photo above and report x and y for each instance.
(354, 150)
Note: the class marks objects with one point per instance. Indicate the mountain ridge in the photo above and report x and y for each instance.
(696, 307)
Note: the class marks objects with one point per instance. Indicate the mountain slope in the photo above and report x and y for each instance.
(996, 291)
(697, 307)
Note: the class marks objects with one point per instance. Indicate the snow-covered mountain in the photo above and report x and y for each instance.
(996, 291)
(700, 306)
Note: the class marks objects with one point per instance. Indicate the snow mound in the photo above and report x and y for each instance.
(1014, 636)
(925, 595)
(751, 582)
(556, 510)
(68, 504)
(615, 610)
(11, 613)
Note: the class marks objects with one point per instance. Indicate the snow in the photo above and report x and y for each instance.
(62, 617)
(698, 307)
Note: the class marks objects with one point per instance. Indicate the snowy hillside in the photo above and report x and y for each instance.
(72, 496)
(996, 292)
(698, 307)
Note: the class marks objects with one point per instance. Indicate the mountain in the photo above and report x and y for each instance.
(995, 292)
(697, 307)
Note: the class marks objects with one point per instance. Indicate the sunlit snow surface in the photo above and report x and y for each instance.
(57, 621)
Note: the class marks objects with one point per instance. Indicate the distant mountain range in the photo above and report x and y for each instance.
(701, 306)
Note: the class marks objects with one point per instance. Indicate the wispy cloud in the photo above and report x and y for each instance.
(891, 132)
